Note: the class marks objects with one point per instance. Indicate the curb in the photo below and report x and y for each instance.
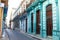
(35, 37)
(32, 36)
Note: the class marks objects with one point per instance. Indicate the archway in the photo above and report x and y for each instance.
(49, 25)
(37, 22)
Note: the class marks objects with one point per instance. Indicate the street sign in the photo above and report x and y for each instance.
(1, 4)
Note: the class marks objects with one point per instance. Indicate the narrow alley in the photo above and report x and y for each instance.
(29, 19)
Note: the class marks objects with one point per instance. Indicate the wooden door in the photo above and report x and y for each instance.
(38, 22)
(49, 20)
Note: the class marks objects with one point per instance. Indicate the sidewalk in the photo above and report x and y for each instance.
(4, 36)
(37, 36)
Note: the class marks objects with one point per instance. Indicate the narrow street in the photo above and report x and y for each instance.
(15, 35)
(29, 19)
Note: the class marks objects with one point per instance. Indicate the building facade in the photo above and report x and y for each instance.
(3, 5)
(1, 16)
(43, 18)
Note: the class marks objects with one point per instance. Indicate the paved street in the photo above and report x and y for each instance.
(15, 35)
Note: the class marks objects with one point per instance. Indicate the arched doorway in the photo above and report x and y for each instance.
(49, 25)
(32, 22)
(37, 22)
(26, 24)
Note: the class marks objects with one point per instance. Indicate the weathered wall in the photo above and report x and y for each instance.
(1, 18)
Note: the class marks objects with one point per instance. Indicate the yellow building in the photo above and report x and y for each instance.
(1, 16)
(2, 4)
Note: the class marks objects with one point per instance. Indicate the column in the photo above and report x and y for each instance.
(34, 21)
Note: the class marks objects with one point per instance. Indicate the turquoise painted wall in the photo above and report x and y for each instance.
(34, 21)
(55, 18)
(29, 23)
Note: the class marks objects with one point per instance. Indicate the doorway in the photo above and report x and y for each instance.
(37, 22)
(32, 22)
(49, 25)
(26, 24)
